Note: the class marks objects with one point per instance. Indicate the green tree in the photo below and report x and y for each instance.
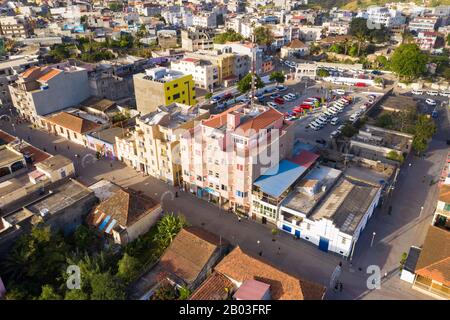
(107, 287)
(75, 294)
(245, 83)
(16, 293)
(115, 6)
(323, 73)
(277, 76)
(165, 292)
(184, 293)
(228, 36)
(361, 39)
(128, 268)
(208, 95)
(396, 156)
(336, 48)
(263, 36)
(408, 62)
(448, 39)
(168, 227)
(49, 293)
(358, 25)
(83, 238)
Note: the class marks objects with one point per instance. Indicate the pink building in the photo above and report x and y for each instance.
(222, 156)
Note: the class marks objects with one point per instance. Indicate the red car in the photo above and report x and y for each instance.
(360, 84)
(278, 100)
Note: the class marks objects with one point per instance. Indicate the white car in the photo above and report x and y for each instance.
(272, 104)
(334, 121)
(292, 95)
(334, 134)
(417, 92)
(432, 93)
(339, 91)
(430, 102)
(323, 119)
(287, 97)
(354, 117)
(445, 93)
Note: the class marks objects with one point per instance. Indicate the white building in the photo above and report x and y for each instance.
(419, 24)
(204, 73)
(205, 20)
(382, 16)
(329, 210)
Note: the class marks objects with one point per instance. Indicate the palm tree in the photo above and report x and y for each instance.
(345, 43)
(407, 37)
(361, 39)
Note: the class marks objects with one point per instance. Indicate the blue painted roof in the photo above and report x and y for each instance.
(279, 178)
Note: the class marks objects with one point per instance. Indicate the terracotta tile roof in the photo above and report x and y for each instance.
(444, 193)
(73, 122)
(5, 138)
(49, 75)
(125, 206)
(261, 121)
(190, 60)
(188, 253)
(296, 44)
(30, 71)
(434, 260)
(36, 154)
(214, 288)
(220, 119)
(305, 158)
(240, 266)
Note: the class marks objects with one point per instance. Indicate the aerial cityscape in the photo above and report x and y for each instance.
(224, 150)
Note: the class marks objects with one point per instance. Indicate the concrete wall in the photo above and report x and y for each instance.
(65, 90)
(143, 225)
(149, 95)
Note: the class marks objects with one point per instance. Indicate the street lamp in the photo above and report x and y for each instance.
(373, 237)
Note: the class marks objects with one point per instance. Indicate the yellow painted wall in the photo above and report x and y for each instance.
(177, 86)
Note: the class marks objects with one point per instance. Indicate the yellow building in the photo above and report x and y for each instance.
(153, 148)
(161, 87)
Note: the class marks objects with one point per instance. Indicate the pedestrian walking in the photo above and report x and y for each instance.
(68, 147)
(279, 249)
(176, 194)
(45, 150)
(55, 147)
(340, 286)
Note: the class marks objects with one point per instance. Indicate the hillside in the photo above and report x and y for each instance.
(358, 4)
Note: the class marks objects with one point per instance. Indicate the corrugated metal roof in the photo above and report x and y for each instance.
(279, 178)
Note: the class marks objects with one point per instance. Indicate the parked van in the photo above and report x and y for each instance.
(334, 121)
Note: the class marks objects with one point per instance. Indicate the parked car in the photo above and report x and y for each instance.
(432, 92)
(273, 105)
(360, 84)
(292, 95)
(274, 96)
(444, 93)
(287, 98)
(321, 141)
(376, 72)
(334, 134)
(278, 100)
(339, 91)
(354, 117)
(281, 88)
(334, 121)
(430, 102)
(417, 92)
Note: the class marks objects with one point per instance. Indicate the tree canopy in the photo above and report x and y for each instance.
(263, 36)
(277, 76)
(245, 84)
(228, 36)
(408, 62)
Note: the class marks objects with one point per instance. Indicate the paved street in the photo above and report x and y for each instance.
(394, 233)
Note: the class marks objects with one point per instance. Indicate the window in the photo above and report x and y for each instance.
(176, 96)
(344, 240)
(240, 167)
(217, 175)
(199, 178)
(175, 85)
(308, 226)
(210, 172)
(168, 88)
(224, 187)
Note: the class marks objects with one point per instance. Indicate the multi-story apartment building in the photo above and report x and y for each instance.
(153, 148)
(205, 20)
(14, 27)
(245, 49)
(9, 72)
(161, 87)
(336, 28)
(382, 16)
(42, 90)
(204, 73)
(195, 39)
(426, 40)
(422, 24)
(229, 64)
(236, 6)
(224, 155)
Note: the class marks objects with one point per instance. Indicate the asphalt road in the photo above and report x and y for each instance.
(395, 233)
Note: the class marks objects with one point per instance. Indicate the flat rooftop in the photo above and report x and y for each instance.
(104, 189)
(61, 197)
(305, 203)
(160, 75)
(109, 135)
(7, 156)
(346, 203)
(54, 162)
(171, 116)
